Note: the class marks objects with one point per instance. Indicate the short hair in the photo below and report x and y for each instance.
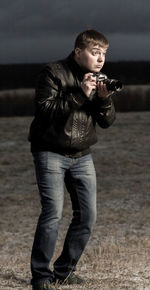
(88, 37)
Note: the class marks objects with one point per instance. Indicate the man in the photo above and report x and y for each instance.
(69, 103)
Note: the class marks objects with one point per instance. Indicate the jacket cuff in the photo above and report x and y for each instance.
(104, 102)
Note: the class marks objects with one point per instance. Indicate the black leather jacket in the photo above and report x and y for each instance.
(65, 118)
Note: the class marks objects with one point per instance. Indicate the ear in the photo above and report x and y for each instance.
(77, 51)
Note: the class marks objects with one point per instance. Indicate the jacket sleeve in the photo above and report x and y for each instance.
(103, 111)
(52, 100)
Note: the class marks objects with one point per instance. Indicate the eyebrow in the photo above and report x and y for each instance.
(99, 49)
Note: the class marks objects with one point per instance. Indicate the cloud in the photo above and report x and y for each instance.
(35, 29)
(129, 47)
(70, 16)
(30, 50)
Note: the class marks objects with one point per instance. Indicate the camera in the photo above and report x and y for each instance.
(111, 84)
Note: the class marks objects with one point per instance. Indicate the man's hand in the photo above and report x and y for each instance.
(88, 84)
(102, 90)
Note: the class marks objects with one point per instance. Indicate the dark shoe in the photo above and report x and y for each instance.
(71, 279)
(46, 285)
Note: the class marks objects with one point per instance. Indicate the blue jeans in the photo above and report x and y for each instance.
(78, 174)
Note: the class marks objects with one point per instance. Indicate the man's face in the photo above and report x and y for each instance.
(91, 58)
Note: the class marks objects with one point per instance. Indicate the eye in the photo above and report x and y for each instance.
(94, 52)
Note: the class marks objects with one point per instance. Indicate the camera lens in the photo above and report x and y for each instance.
(114, 85)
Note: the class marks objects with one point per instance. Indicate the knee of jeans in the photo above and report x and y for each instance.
(51, 214)
(90, 218)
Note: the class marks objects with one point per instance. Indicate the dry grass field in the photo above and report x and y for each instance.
(118, 253)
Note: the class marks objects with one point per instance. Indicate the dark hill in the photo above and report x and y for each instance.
(24, 75)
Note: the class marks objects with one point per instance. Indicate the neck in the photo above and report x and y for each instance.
(76, 60)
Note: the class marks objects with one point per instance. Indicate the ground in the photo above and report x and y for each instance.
(118, 253)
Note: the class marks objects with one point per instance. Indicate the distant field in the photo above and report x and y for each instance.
(20, 102)
(133, 98)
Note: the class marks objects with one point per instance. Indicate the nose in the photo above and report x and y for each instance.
(100, 58)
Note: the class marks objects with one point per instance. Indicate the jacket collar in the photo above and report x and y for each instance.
(76, 69)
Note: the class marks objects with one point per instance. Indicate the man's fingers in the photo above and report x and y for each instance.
(102, 87)
(89, 77)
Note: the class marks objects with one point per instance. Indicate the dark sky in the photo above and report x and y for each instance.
(44, 30)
